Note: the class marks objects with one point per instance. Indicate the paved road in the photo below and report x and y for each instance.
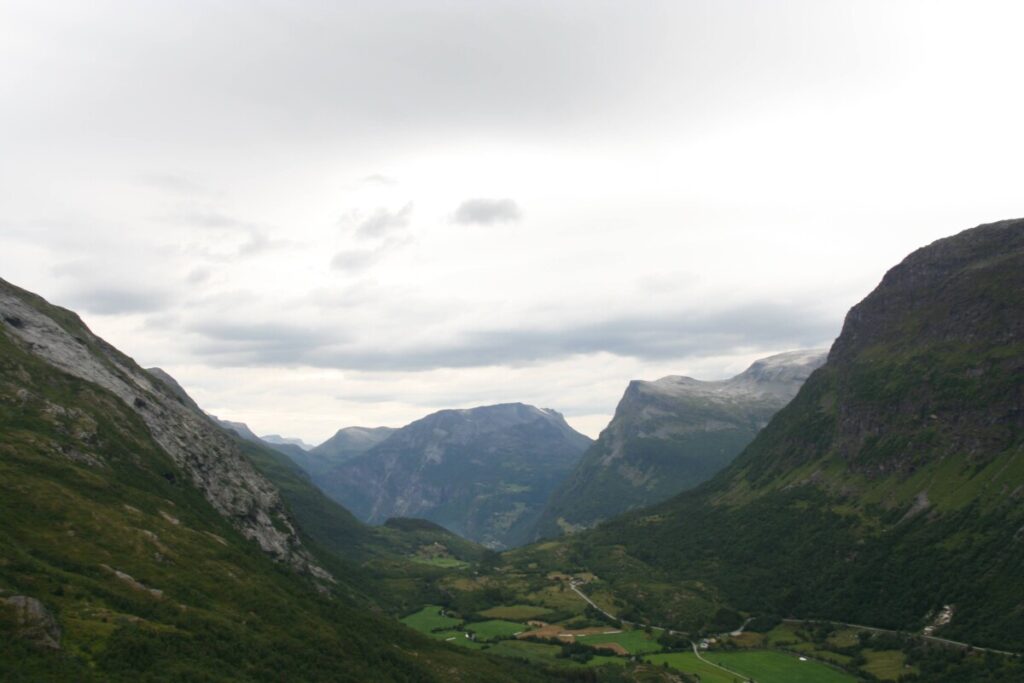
(934, 639)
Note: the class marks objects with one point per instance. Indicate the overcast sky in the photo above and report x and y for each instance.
(323, 214)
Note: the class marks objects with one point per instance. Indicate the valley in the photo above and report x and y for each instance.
(869, 530)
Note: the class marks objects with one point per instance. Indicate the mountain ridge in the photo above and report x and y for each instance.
(671, 434)
(888, 488)
(481, 472)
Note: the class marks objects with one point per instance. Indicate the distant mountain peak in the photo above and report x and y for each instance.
(279, 440)
(483, 472)
(671, 434)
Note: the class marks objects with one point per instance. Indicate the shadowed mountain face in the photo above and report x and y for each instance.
(670, 435)
(140, 541)
(346, 444)
(484, 473)
(889, 487)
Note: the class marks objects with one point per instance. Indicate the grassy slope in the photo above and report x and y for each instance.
(225, 612)
(812, 520)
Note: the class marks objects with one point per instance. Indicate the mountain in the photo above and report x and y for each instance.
(889, 488)
(670, 435)
(278, 440)
(346, 444)
(239, 428)
(140, 541)
(484, 473)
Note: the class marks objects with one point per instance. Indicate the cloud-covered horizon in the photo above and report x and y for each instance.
(677, 334)
(364, 211)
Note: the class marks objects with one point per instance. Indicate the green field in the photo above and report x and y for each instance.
(636, 642)
(687, 662)
(766, 666)
(495, 628)
(456, 638)
(540, 653)
(888, 665)
(515, 612)
(445, 562)
(429, 618)
(602, 660)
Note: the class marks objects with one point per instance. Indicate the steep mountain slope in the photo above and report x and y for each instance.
(484, 473)
(346, 444)
(889, 487)
(278, 440)
(670, 435)
(140, 543)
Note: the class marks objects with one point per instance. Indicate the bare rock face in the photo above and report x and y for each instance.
(482, 472)
(208, 456)
(670, 435)
(35, 623)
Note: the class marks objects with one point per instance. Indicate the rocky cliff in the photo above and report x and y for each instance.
(209, 458)
(670, 435)
(483, 473)
(890, 487)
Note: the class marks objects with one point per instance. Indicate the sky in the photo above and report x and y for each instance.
(323, 214)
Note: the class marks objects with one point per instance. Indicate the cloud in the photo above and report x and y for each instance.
(118, 300)
(355, 259)
(228, 342)
(378, 179)
(174, 183)
(360, 259)
(198, 275)
(383, 221)
(487, 211)
(251, 238)
(681, 335)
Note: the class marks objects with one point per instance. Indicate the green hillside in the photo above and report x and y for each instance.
(669, 436)
(889, 488)
(115, 566)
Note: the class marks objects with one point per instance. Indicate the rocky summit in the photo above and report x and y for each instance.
(484, 473)
(888, 491)
(670, 435)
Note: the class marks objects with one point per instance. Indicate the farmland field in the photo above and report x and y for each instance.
(515, 612)
(429, 618)
(687, 662)
(886, 664)
(635, 642)
(775, 667)
(495, 628)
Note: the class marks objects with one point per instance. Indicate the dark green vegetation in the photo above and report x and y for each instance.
(134, 575)
(669, 436)
(888, 488)
(484, 473)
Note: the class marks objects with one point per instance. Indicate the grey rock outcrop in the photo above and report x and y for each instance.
(209, 457)
(483, 473)
(34, 622)
(670, 435)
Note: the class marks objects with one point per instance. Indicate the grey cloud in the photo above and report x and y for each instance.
(116, 300)
(173, 183)
(361, 259)
(685, 334)
(211, 219)
(356, 259)
(198, 275)
(242, 343)
(378, 179)
(487, 211)
(256, 238)
(383, 221)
